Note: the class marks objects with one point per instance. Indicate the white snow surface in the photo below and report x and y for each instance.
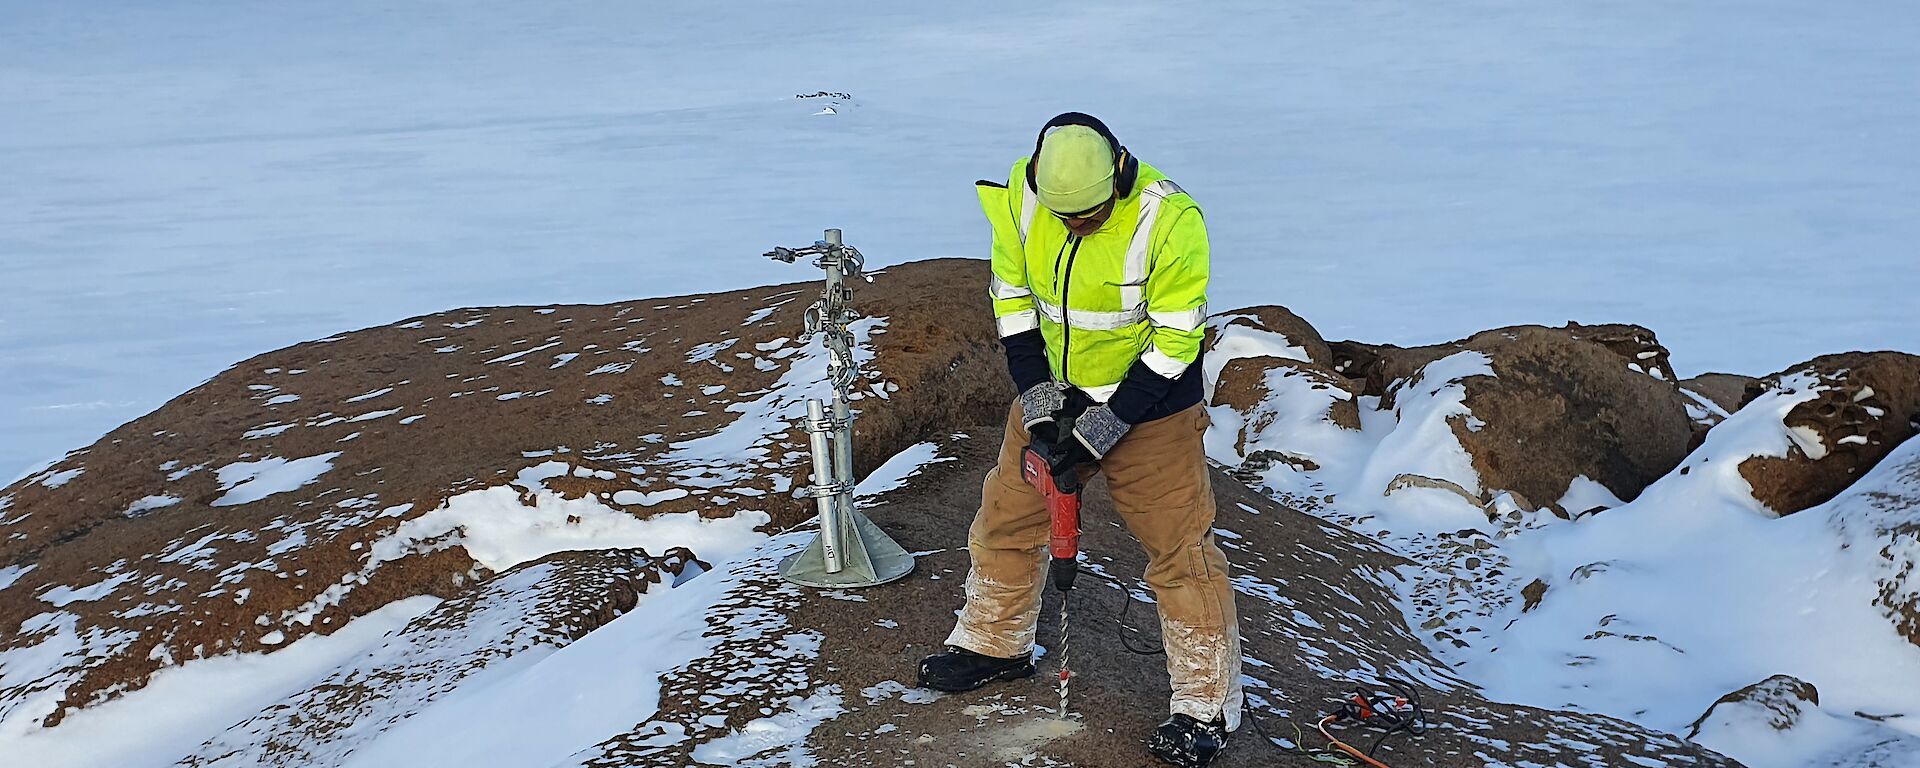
(190, 184)
(250, 481)
(897, 470)
(499, 531)
(164, 721)
(775, 740)
(598, 686)
(1654, 608)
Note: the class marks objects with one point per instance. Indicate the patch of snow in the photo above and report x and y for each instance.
(521, 353)
(702, 353)
(640, 499)
(894, 473)
(732, 449)
(371, 415)
(283, 399)
(776, 740)
(267, 431)
(166, 720)
(61, 596)
(1422, 444)
(499, 532)
(564, 702)
(1703, 403)
(1237, 341)
(369, 395)
(150, 503)
(12, 573)
(1727, 571)
(57, 479)
(1584, 494)
(249, 481)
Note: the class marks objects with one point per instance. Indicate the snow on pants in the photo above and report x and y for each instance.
(1157, 476)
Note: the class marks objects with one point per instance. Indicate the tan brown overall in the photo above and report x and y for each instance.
(1157, 475)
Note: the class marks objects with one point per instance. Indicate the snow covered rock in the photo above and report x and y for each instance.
(1726, 391)
(533, 608)
(313, 484)
(811, 677)
(1779, 702)
(1272, 393)
(1879, 519)
(1278, 400)
(1270, 330)
(1779, 722)
(1714, 396)
(1859, 406)
(1560, 404)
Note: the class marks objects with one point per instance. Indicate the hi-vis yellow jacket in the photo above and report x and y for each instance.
(1133, 292)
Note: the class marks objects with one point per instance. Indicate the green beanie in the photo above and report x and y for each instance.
(1074, 171)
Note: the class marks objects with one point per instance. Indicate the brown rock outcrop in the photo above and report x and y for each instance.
(868, 648)
(1866, 404)
(550, 602)
(1784, 699)
(1593, 401)
(169, 518)
(1727, 390)
(1275, 319)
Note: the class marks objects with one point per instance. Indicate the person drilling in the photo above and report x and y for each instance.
(1099, 294)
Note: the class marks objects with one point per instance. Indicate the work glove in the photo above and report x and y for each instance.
(1065, 455)
(1097, 431)
(1039, 404)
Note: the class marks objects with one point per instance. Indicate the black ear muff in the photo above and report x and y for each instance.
(1126, 167)
(1126, 174)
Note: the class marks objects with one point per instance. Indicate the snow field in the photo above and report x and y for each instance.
(193, 184)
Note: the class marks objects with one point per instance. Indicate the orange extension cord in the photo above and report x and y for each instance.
(1345, 747)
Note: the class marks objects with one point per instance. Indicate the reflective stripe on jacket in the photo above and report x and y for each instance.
(1134, 291)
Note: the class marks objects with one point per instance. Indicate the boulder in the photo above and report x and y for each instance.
(1563, 403)
(1728, 391)
(1780, 701)
(1863, 405)
(1715, 396)
(1270, 392)
(1292, 330)
(1273, 395)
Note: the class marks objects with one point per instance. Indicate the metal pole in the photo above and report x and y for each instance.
(850, 551)
(818, 439)
(843, 457)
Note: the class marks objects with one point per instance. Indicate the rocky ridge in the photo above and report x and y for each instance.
(1400, 496)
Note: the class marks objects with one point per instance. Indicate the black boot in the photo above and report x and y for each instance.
(1188, 743)
(962, 670)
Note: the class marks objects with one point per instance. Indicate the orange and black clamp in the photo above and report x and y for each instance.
(1062, 493)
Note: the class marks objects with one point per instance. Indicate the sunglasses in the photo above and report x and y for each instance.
(1090, 213)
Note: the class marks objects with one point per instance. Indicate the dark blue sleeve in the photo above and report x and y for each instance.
(1138, 393)
(1144, 395)
(1027, 359)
